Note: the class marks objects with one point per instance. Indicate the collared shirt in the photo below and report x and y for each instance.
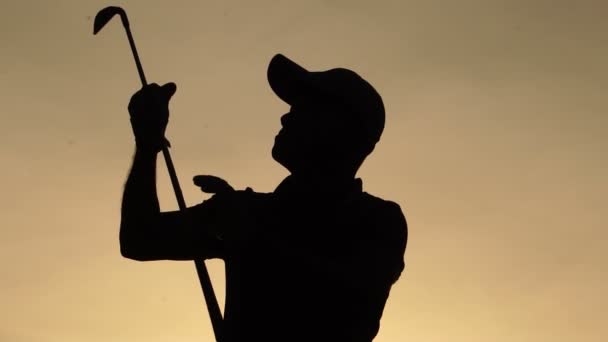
(316, 263)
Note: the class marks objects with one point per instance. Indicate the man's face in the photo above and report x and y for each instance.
(308, 137)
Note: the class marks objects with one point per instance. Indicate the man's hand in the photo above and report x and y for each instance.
(212, 184)
(149, 111)
(232, 210)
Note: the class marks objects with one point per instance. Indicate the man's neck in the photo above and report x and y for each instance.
(321, 180)
(326, 185)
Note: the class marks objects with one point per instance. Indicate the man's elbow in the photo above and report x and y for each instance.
(130, 251)
(132, 247)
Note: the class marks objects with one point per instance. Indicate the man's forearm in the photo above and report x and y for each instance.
(140, 204)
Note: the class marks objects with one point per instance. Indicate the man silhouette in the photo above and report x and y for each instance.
(312, 261)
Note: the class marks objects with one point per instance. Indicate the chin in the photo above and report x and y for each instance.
(280, 155)
(277, 153)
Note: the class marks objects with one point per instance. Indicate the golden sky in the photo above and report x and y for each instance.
(495, 147)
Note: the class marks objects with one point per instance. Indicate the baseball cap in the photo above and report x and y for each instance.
(342, 87)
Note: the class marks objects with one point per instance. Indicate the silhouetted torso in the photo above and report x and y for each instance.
(317, 266)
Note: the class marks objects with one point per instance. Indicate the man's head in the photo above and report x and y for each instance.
(335, 120)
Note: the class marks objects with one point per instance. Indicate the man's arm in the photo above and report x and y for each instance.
(140, 208)
(140, 189)
(145, 232)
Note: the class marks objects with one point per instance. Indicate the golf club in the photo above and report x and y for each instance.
(101, 19)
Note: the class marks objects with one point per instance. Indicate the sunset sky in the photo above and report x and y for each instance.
(495, 147)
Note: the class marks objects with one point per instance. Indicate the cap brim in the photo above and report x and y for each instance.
(286, 78)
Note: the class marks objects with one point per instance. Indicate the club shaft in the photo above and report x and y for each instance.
(203, 275)
(213, 307)
(140, 69)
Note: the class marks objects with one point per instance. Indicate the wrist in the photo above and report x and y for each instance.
(150, 146)
(146, 152)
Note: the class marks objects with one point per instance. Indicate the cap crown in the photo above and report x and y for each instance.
(338, 86)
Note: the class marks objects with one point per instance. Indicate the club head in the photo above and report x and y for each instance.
(105, 15)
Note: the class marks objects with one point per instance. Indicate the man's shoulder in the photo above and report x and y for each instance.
(383, 229)
(365, 200)
(386, 215)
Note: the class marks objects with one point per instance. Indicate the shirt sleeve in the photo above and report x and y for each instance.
(394, 240)
(179, 235)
